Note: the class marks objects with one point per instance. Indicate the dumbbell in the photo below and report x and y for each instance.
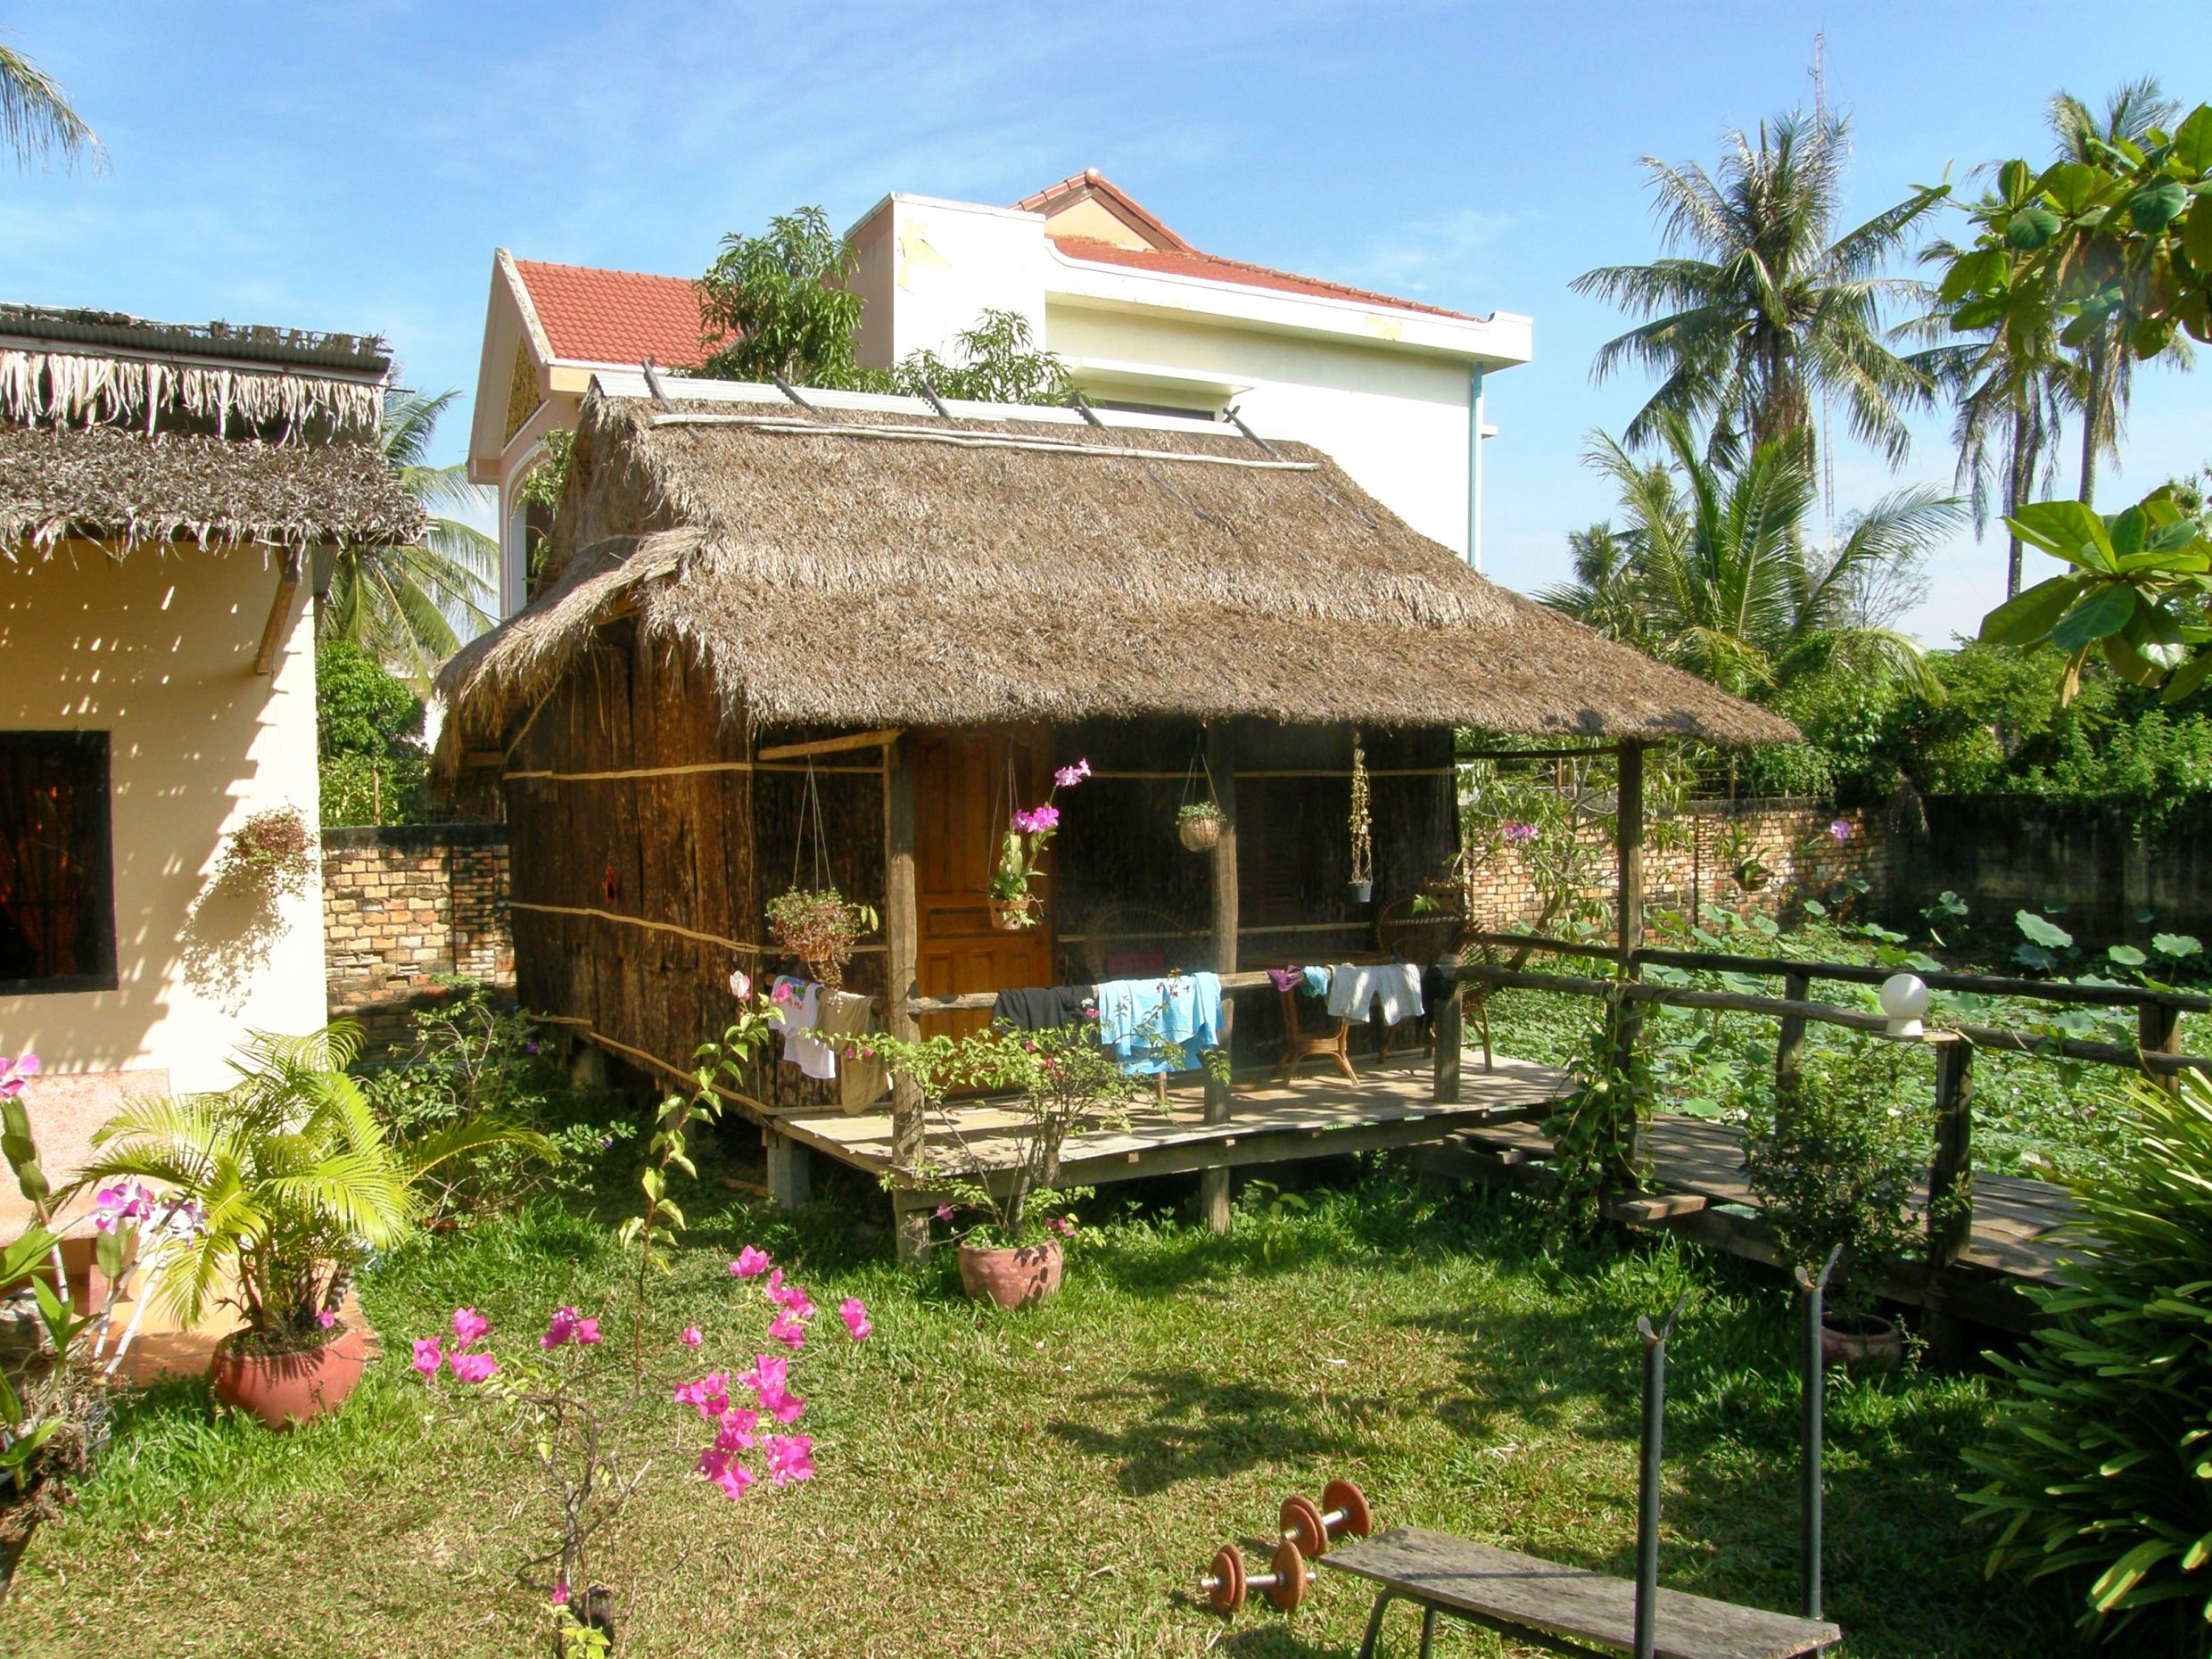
(1285, 1580)
(1310, 1526)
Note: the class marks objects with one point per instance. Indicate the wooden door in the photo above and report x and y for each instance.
(961, 798)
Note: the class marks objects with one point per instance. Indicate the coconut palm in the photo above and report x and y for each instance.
(400, 604)
(1729, 589)
(1764, 306)
(1605, 594)
(35, 120)
(2106, 365)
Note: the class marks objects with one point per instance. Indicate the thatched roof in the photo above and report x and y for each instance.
(117, 429)
(107, 485)
(870, 563)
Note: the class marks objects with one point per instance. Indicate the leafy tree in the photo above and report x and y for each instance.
(360, 706)
(400, 603)
(780, 299)
(37, 121)
(1766, 307)
(1728, 587)
(997, 363)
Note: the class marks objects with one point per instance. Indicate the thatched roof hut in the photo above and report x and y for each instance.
(119, 430)
(867, 562)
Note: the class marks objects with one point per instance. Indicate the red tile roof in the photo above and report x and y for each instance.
(616, 317)
(1215, 268)
(1091, 182)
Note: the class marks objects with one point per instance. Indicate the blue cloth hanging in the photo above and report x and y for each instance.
(1137, 1018)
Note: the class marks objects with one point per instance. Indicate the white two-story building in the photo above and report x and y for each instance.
(1392, 388)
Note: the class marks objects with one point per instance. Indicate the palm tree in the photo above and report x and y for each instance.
(1765, 307)
(35, 120)
(2106, 365)
(401, 603)
(1605, 594)
(1731, 592)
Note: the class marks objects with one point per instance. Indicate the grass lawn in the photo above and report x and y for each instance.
(1048, 1482)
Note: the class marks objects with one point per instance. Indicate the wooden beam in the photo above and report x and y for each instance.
(1504, 755)
(1213, 1187)
(881, 740)
(279, 622)
(901, 933)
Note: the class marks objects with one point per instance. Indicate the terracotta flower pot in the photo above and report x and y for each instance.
(1201, 833)
(1012, 1278)
(1013, 915)
(1861, 1339)
(284, 1389)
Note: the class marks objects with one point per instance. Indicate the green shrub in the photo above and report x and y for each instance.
(476, 1058)
(2100, 1465)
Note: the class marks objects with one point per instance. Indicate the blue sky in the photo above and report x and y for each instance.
(352, 166)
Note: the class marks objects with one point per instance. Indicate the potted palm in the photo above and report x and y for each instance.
(1005, 1203)
(1832, 1165)
(295, 1180)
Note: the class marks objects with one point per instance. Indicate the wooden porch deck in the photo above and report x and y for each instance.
(1312, 1116)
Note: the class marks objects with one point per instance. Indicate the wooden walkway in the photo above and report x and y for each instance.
(1311, 1117)
(1699, 1189)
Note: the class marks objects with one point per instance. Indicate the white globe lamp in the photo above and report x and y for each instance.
(1904, 1000)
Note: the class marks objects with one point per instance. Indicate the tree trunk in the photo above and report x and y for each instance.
(2019, 480)
(2094, 394)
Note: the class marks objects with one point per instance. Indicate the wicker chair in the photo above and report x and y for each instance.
(1423, 937)
(1138, 942)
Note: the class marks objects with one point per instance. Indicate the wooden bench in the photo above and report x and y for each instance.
(1568, 1610)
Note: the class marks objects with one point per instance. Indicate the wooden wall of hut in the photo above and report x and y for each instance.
(629, 809)
(1123, 880)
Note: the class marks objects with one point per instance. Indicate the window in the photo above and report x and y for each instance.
(57, 901)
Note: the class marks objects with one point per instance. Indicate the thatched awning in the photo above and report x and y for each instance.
(106, 484)
(872, 564)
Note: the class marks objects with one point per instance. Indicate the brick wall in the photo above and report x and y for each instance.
(1695, 853)
(403, 906)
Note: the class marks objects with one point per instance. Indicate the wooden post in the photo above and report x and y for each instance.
(1213, 1185)
(902, 938)
(1789, 1046)
(1951, 1177)
(1628, 843)
(2157, 1031)
(790, 1171)
(1446, 1022)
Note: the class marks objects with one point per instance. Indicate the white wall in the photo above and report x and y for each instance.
(1396, 421)
(930, 269)
(157, 650)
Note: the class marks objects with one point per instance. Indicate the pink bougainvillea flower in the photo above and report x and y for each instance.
(1063, 1226)
(428, 1355)
(770, 1371)
(734, 1430)
(469, 1325)
(751, 1263)
(588, 1332)
(563, 1329)
(790, 1457)
(1841, 830)
(854, 1313)
(473, 1367)
(1521, 832)
(710, 1394)
(691, 1337)
(788, 1331)
(740, 984)
(775, 1285)
(16, 1073)
(734, 1478)
(944, 1212)
(325, 1317)
(1068, 777)
(782, 993)
(560, 1594)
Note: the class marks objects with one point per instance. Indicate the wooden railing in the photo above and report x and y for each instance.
(1951, 1172)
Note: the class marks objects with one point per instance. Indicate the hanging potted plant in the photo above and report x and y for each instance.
(1199, 825)
(1831, 1165)
(1013, 906)
(1011, 1219)
(1362, 827)
(821, 927)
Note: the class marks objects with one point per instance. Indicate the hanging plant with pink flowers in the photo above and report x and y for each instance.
(1013, 906)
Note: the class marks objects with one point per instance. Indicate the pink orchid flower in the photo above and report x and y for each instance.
(16, 1073)
(790, 1457)
(473, 1367)
(750, 1264)
(469, 1325)
(854, 1313)
(1841, 830)
(428, 1355)
(691, 1337)
(1068, 777)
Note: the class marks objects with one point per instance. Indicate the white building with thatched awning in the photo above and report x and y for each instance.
(796, 639)
(164, 493)
(1143, 320)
